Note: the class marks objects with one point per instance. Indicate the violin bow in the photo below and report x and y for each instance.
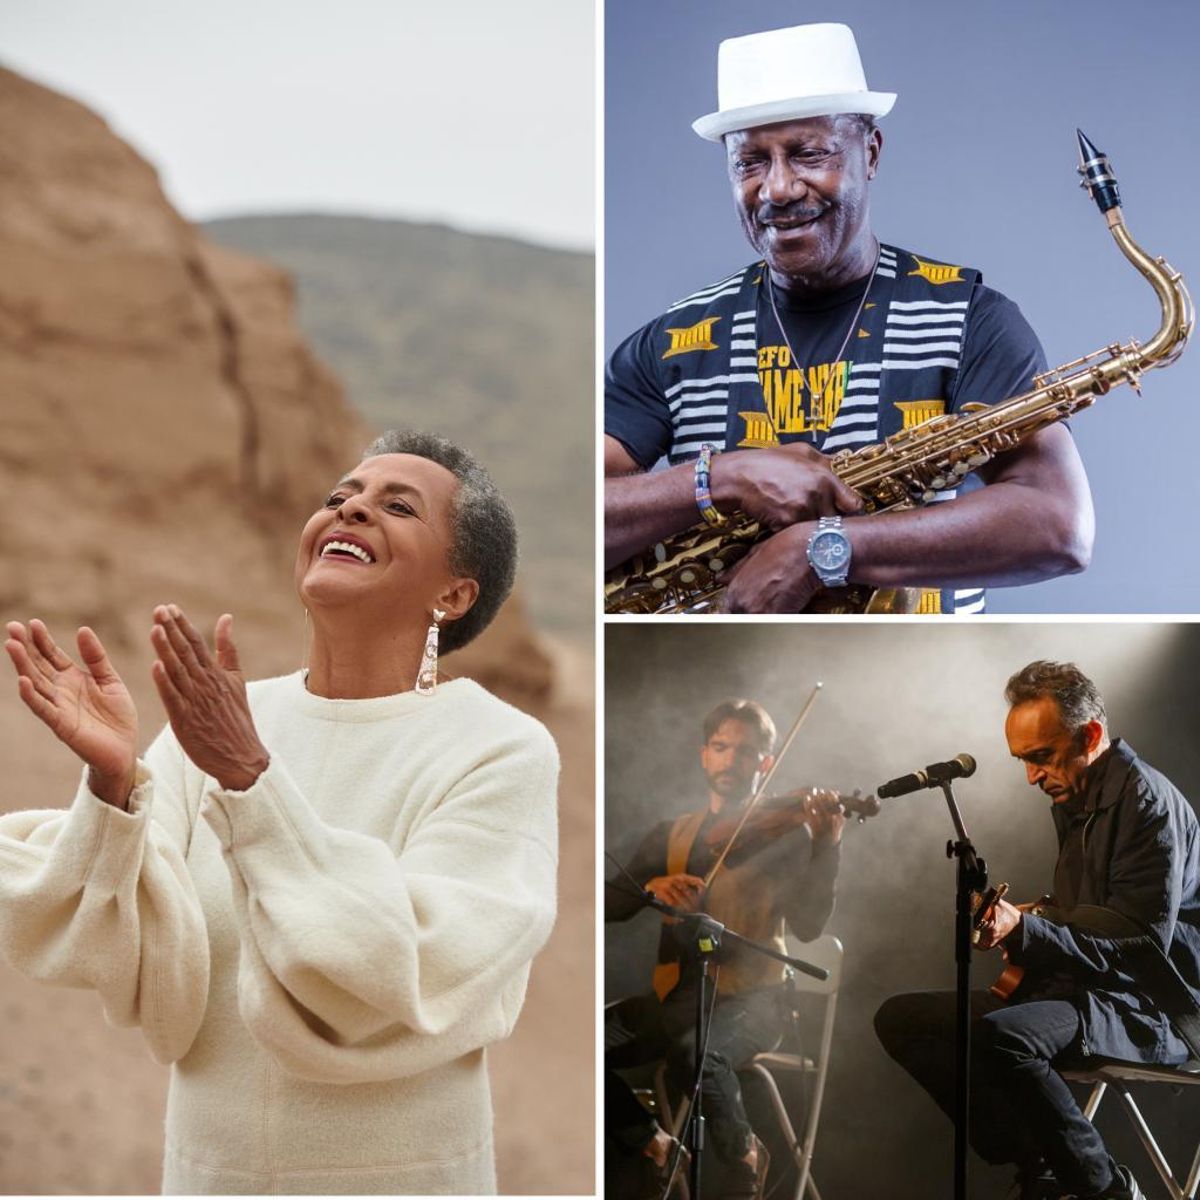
(762, 787)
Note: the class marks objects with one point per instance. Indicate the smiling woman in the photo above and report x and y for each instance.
(318, 895)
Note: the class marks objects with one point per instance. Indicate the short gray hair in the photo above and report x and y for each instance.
(865, 122)
(1079, 700)
(485, 535)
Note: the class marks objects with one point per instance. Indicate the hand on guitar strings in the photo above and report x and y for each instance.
(1004, 919)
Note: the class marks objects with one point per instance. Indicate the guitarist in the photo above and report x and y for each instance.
(1111, 969)
(790, 880)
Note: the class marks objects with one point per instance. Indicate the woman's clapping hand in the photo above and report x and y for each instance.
(205, 699)
(88, 708)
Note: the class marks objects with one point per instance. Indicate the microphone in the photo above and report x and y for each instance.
(932, 776)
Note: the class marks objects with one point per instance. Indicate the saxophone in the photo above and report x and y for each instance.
(687, 572)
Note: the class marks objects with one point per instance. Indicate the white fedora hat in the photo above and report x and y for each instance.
(789, 74)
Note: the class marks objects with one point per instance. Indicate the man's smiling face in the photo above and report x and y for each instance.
(800, 188)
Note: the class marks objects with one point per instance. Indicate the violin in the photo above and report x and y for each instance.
(778, 815)
(794, 807)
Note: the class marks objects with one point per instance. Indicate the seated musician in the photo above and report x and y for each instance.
(1093, 983)
(790, 880)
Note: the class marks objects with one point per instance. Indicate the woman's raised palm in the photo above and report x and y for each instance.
(87, 707)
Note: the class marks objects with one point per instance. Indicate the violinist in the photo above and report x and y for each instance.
(1103, 963)
(786, 877)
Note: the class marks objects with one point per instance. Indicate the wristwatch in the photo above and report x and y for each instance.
(829, 552)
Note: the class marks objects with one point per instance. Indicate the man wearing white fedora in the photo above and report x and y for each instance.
(832, 341)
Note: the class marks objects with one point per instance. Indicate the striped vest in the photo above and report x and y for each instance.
(726, 374)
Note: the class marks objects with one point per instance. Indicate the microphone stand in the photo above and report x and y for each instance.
(972, 877)
(706, 940)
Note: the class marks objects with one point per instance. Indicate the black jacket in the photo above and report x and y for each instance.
(1141, 857)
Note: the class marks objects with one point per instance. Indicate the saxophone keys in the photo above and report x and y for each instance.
(978, 459)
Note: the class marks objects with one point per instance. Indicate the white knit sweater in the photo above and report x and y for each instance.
(322, 957)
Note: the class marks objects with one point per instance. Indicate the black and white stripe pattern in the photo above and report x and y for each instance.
(923, 333)
(699, 413)
(743, 343)
(969, 600)
(700, 407)
(857, 420)
(887, 262)
(727, 287)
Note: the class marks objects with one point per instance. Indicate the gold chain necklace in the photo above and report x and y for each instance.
(862, 300)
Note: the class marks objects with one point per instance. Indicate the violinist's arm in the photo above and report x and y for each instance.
(810, 882)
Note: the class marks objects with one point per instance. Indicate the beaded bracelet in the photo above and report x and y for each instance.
(704, 500)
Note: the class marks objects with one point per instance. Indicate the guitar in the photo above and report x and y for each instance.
(985, 905)
(1091, 918)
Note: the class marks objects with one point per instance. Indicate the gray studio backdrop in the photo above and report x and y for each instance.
(895, 699)
(978, 168)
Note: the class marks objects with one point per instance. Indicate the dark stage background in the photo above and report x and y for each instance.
(896, 697)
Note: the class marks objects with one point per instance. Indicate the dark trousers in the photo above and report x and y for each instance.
(1021, 1109)
(642, 1029)
(626, 1121)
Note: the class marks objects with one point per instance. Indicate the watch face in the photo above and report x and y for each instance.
(829, 550)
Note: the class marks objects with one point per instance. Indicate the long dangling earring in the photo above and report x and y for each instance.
(427, 675)
(304, 648)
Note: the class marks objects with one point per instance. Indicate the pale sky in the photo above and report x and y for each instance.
(475, 113)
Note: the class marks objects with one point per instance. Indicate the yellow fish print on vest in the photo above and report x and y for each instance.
(930, 602)
(760, 433)
(694, 337)
(937, 273)
(917, 412)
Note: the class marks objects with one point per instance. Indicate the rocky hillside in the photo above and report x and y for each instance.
(166, 425)
(166, 430)
(485, 339)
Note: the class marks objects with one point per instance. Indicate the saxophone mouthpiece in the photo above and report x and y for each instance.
(1097, 174)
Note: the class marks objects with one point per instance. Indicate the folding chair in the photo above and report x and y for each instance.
(1118, 1075)
(825, 952)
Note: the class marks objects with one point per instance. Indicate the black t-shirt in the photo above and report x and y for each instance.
(1001, 354)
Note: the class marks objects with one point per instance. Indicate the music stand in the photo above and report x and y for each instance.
(706, 941)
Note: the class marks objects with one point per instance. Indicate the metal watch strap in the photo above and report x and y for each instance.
(829, 525)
